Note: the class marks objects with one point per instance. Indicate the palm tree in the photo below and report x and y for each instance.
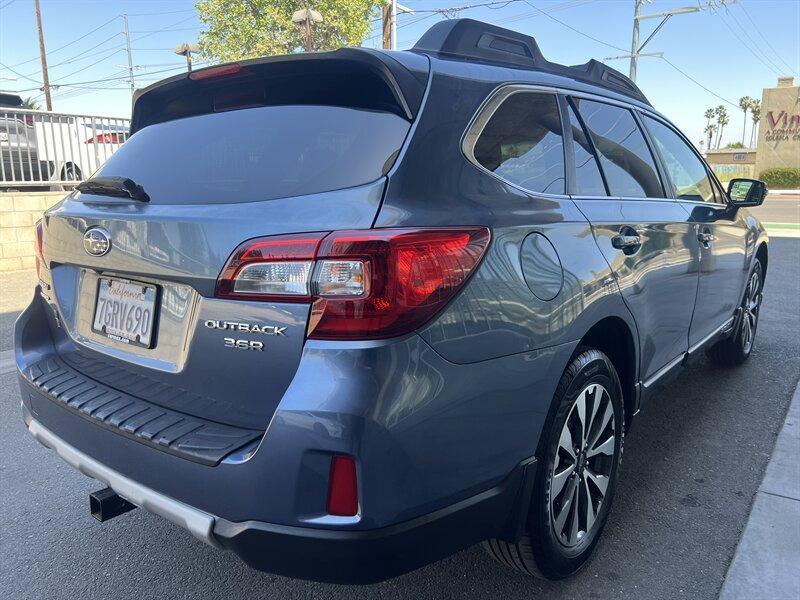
(31, 104)
(709, 131)
(722, 119)
(709, 114)
(755, 115)
(745, 102)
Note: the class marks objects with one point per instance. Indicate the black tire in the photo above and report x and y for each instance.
(71, 172)
(737, 347)
(543, 551)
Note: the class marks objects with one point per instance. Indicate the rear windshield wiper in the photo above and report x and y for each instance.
(121, 187)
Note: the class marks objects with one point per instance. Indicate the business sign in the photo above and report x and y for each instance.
(782, 126)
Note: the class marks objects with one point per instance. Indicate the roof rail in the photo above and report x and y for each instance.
(468, 39)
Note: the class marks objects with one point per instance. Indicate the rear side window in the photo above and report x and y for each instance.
(588, 180)
(686, 171)
(523, 143)
(626, 160)
(259, 153)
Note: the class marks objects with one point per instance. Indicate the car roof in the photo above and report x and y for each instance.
(11, 100)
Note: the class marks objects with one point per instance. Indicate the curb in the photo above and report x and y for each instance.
(765, 563)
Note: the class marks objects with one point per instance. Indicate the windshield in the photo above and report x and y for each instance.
(259, 153)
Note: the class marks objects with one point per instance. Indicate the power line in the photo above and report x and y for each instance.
(766, 41)
(747, 34)
(167, 28)
(739, 39)
(692, 79)
(18, 74)
(170, 12)
(78, 39)
(97, 62)
(578, 31)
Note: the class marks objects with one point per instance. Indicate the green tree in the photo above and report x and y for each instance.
(734, 146)
(745, 102)
(31, 104)
(238, 29)
(755, 115)
(710, 130)
(709, 114)
(722, 119)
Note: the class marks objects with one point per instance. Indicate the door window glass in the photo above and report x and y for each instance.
(588, 180)
(686, 171)
(523, 143)
(626, 160)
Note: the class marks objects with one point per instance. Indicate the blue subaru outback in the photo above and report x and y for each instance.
(347, 313)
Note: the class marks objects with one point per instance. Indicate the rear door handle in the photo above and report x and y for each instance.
(626, 242)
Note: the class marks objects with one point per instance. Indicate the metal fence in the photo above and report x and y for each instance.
(49, 149)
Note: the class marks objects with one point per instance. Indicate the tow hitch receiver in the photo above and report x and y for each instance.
(106, 504)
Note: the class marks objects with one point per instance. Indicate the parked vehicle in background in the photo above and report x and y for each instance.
(54, 149)
(18, 147)
(347, 313)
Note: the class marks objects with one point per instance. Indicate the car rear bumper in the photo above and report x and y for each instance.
(200, 524)
(323, 554)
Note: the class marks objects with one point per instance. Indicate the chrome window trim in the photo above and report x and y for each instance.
(483, 115)
(496, 97)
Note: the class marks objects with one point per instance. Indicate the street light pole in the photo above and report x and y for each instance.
(43, 56)
(304, 18)
(186, 49)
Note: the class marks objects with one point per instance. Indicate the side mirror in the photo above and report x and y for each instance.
(747, 192)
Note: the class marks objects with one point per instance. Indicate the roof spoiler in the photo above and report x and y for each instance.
(378, 82)
(468, 39)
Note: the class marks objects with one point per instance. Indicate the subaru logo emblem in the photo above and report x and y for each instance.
(96, 241)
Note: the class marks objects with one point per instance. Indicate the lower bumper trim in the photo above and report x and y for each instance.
(196, 522)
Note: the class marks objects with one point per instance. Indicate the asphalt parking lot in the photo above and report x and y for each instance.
(693, 462)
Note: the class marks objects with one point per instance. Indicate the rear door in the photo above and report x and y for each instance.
(232, 169)
(646, 237)
(721, 231)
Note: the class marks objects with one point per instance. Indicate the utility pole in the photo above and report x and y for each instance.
(389, 29)
(128, 49)
(636, 48)
(394, 24)
(637, 10)
(386, 29)
(43, 55)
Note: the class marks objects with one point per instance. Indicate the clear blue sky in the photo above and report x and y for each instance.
(734, 51)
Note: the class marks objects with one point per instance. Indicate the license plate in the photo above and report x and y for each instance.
(125, 311)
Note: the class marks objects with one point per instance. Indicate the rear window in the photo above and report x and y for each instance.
(259, 153)
(523, 143)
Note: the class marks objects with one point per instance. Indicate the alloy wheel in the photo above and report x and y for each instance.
(583, 464)
(751, 307)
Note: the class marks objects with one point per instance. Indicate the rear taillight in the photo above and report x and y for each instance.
(271, 269)
(364, 284)
(38, 245)
(342, 487)
(29, 120)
